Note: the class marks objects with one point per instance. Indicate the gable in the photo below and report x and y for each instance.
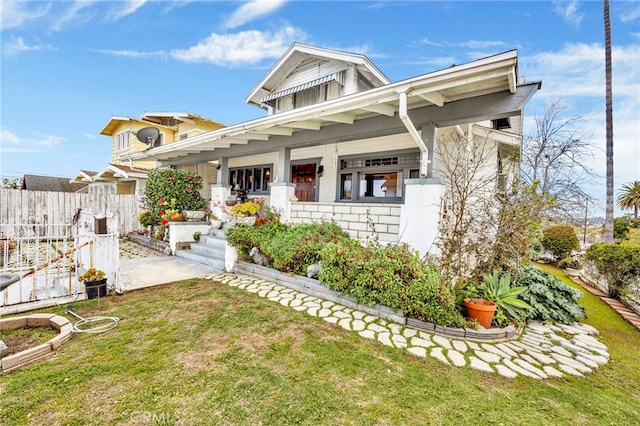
(304, 67)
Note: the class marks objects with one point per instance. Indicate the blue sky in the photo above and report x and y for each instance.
(68, 66)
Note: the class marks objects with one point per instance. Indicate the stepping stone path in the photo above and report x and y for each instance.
(542, 351)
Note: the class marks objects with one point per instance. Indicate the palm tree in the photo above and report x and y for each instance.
(608, 222)
(629, 197)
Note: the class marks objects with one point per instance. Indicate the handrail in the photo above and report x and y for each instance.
(62, 256)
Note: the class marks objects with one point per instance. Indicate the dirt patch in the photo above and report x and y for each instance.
(26, 338)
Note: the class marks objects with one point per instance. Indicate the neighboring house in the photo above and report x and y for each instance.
(124, 175)
(49, 183)
(341, 142)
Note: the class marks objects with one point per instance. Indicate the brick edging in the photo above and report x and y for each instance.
(316, 288)
(29, 356)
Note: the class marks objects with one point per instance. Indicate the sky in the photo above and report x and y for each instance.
(67, 67)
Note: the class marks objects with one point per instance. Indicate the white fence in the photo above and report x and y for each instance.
(45, 208)
(47, 259)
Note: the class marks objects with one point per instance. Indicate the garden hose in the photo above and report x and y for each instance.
(103, 323)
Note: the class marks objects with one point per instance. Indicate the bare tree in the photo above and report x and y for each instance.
(608, 221)
(556, 154)
(488, 221)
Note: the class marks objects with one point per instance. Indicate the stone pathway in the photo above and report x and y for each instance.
(132, 250)
(542, 351)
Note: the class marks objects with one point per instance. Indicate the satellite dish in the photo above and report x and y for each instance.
(148, 135)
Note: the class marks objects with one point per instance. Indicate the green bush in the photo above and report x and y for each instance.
(618, 264)
(560, 240)
(622, 225)
(292, 248)
(551, 300)
(570, 262)
(391, 275)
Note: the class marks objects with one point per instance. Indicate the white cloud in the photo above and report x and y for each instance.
(10, 142)
(252, 10)
(569, 11)
(124, 8)
(16, 13)
(630, 14)
(133, 53)
(15, 46)
(73, 15)
(247, 47)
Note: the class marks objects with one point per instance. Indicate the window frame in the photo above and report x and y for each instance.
(233, 171)
(355, 174)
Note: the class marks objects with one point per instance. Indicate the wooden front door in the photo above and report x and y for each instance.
(304, 176)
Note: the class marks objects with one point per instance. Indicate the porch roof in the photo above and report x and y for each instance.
(485, 76)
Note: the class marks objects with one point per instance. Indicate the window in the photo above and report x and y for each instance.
(256, 179)
(376, 178)
(122, 141)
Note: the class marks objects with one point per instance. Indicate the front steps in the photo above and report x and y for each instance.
(208, 251)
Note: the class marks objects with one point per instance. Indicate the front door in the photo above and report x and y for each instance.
(304, 176)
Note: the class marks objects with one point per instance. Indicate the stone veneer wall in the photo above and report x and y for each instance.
(355, 218)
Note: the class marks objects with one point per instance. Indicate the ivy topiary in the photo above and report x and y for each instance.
(173, 189)
(560, 240)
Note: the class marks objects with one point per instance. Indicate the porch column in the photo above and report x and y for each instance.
(429, 135)
(280, 200)
(284, 164)
(223, 171)
(420, 214)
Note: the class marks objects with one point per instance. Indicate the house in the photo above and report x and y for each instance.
(129, 136)
(51, 183)
(340, 142)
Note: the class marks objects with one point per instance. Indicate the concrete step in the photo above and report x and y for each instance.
(213, 241)
(205, 260)
(207, 250)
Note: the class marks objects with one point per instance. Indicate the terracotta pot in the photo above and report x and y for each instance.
(177, 218)
(258, 221)
(481, 310)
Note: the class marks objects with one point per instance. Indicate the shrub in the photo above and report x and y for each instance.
(618, 264)
(560, 240)
(292, 248)
(173, 189)
(390, 275)
(622, 225)
(574, 262)
(550, 299)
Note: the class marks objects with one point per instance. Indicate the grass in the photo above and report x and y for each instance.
(199, 352)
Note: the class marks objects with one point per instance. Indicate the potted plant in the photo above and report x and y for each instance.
(480, 309)
(497, 289)
(196, 236)
(245, 213)
(95, 283)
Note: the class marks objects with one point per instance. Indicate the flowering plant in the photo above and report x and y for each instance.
(92, 274)
(245, 209)
(173, 189)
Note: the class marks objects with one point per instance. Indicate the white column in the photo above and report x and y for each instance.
(280, 200)
(219, 194)
(420, 214)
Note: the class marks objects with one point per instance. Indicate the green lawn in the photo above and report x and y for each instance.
(199, 352)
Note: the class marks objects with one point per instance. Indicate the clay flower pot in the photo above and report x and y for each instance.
(481, 310)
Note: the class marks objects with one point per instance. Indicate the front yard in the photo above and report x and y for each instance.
(199, 352)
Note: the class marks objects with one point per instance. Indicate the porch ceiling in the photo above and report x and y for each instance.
(483, 77)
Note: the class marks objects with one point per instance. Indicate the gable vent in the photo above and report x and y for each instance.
(308, 64)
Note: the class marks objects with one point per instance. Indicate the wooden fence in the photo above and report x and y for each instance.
(43, 208)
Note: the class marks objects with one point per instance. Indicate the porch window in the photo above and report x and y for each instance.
(256, 178)
(376, 178)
